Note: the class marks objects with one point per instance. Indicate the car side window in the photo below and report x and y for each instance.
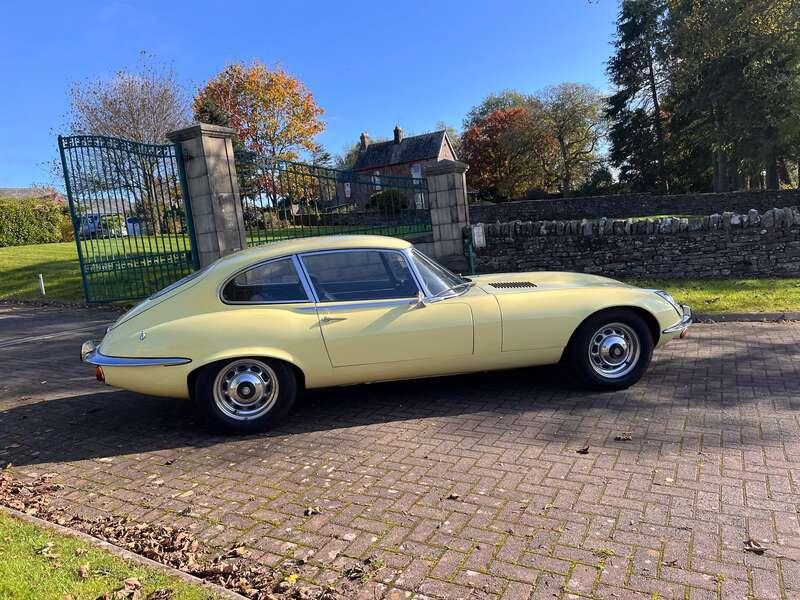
(273, 281)
(360, 275)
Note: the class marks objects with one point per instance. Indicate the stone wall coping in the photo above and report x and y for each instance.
(194, 131)
(634, 196)
(774, 218)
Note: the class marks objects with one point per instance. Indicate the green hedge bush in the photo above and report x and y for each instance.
(24, 222)
(388, 201)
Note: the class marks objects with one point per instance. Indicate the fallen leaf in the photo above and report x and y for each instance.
(453, 496)
(161, 594)
(750, 545)
(84, 571)
(584, 450)
(623, 437)
(312, 510)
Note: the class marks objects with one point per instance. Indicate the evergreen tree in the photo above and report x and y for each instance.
(637, 70)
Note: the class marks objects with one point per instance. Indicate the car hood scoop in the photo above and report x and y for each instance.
(506, 285)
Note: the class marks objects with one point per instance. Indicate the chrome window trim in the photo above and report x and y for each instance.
(429, 297)
(310, 296)
(328, 304)
(356, 304)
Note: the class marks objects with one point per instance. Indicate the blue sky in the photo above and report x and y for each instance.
(369, 64)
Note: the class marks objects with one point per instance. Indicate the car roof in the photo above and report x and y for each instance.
(310, 244)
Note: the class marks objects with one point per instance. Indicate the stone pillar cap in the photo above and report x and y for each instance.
(443, 167)
(200, 129)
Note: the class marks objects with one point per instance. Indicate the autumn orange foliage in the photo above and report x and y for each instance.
(273, 112)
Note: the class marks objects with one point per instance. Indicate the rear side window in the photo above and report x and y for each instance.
(360, 275)
(273, 281)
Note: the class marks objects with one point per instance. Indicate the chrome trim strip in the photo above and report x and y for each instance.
(331, 307)
(95, 357)
(685, 321)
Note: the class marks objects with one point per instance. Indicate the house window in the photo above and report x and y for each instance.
(347, 189)
(419, 198)
(376, 180)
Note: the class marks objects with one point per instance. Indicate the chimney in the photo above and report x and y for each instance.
(364, 140)
(398, 134)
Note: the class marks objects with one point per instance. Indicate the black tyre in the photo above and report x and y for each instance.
(611, 350)
(245, 394)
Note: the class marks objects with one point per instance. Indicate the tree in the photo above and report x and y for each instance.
(507, 151)
(141, 105)
(348, 157)
(638, 71)
(503, 100)
(574, 116)
(273, 113)
(736, 85)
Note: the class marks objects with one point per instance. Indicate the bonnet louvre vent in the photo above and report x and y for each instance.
(512, 284)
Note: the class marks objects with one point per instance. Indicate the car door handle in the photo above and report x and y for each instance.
(326, 320)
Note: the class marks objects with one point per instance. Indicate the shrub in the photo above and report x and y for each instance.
(27, 221)
(66, 227)
(388, 201)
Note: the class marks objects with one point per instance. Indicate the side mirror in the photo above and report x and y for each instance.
(419, 302)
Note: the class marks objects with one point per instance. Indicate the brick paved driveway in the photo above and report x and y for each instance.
(466, 486)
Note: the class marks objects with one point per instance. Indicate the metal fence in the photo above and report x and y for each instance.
(285, 200)
(128, 206)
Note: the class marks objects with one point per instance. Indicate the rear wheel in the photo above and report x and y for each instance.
(612, 350)
(245, 394)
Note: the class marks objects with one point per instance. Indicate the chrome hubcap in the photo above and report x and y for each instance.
(246, 389)
(614, 350)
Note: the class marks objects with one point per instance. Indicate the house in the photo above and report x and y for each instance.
(35, 193)
(403, 156)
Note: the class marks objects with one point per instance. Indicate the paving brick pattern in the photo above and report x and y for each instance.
(464, 487)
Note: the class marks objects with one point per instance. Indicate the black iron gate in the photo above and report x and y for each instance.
(283, 199)
(130, 212)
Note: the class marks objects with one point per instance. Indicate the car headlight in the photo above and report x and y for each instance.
(667, 297)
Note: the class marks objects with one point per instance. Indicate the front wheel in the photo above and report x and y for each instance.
(245, 394)
(612, 350)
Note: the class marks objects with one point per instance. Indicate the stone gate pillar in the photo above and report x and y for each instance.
(447, 198)
(216, 210)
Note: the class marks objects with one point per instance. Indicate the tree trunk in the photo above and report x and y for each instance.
(662, 171)
(566, 176)
(773, 181)
(721, 183)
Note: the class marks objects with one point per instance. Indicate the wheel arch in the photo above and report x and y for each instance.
(191, 378)
(647, 316)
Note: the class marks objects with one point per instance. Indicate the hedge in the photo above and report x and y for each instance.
(24, 222)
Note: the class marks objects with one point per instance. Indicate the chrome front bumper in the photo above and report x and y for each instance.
(91, 354)
(682, 325)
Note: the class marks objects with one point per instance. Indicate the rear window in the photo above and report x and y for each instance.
(273, 281)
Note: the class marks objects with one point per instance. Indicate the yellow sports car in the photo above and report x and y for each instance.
(245, 334)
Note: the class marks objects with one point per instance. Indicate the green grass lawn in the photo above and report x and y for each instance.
(732, 295)
(39, 563)
(20, 266)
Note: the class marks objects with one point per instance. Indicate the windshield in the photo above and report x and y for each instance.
(438, 280)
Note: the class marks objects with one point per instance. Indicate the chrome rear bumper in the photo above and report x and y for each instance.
(91, 354)
(683, 324)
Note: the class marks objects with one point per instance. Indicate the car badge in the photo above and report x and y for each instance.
(142, 335)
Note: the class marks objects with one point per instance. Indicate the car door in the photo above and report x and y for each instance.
(369, 312)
